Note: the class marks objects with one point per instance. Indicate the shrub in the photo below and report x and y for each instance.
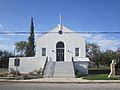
(100, 77)
(36, 72)
(14, 72)
(79, 74)
(3, 74)
(99, 71)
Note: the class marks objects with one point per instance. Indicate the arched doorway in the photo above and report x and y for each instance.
(60, 51)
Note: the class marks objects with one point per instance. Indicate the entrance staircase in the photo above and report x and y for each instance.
(64, 69)
(59, 70)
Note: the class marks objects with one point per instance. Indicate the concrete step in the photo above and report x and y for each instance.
(63, 70)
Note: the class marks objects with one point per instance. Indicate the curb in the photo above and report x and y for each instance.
(63, 81)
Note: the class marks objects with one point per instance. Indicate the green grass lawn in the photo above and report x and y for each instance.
(100, 77)
(100, 68)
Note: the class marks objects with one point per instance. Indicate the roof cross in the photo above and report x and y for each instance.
(60, 17)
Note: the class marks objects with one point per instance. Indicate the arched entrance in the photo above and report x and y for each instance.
(60, 51)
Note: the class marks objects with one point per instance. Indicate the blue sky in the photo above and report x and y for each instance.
(79, 15)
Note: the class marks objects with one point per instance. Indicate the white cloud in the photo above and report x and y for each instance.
(105, 42)
(14, 34)
(98, 37)
(1, 25)
(109, 44)
(86, 35)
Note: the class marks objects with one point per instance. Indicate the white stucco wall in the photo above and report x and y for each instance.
(71, 41)
(27, 64)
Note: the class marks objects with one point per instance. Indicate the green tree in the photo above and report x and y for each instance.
(4, 58)
(118, 53)
(101, 57)
(108, 56)
(21, 47)
(94, 53)
(31, 47)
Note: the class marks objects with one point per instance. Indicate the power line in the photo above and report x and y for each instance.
(25, 33)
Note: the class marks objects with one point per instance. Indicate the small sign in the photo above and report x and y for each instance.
(17, 62)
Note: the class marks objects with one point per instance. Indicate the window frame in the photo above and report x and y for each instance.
(77, 51)
(43, 51)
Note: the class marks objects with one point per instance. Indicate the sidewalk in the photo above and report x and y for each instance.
(61, 80)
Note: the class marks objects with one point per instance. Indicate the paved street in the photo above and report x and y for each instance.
(52, 86)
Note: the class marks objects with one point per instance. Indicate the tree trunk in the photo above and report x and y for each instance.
(97, 65)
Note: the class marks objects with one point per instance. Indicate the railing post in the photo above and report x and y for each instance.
(73, 65)
(72, 58)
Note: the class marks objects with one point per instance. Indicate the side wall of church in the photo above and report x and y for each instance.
(27, 64)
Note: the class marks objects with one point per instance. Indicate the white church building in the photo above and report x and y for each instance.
(59, 53)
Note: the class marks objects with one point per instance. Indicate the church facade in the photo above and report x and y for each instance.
(60, 45)
(59, 53)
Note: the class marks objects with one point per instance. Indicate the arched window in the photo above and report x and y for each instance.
(60, 45)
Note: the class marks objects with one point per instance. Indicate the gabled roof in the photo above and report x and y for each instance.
(57, 28)
(64, 29)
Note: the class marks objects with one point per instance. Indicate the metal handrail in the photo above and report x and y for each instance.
(45, 66)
